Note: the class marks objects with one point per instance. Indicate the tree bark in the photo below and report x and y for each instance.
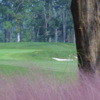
(55, 16)
(64, 23)
(10, 36)
(64, 26)
(21, 36)
(86, 14)
(37, 35)
(50, 39)
(18, 37)
(56, 35)
(74, 39)
(5, 39)
(45, 16)
(33, 34)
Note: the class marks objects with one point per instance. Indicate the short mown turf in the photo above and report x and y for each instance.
(38, 55)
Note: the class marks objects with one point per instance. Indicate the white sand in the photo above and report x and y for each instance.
(59, 59)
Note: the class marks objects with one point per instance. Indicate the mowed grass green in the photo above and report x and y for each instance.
(15, 57)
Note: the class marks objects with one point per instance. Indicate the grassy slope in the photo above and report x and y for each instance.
(13, 55)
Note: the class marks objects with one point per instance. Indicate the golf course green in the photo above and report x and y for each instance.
(21, 57)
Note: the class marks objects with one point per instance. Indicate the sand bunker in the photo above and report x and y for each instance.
(59, 59)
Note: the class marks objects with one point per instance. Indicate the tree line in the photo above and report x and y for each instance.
(36, 20)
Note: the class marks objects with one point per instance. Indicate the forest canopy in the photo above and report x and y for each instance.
(36, 20)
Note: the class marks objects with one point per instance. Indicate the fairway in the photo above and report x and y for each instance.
(37, 55)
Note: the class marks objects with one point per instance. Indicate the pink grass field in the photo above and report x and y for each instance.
(42, 87)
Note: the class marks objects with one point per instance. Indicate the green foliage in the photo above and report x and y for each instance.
(29, 18)
(7, 25)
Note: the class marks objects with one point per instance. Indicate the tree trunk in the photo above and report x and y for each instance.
(33, 34)
(74, 39)
(45, 16)
(55, 16)
(18, 37)
(10, 36)
(50, 39)
(56, 35)
(64, 26)
(86, 14)
(21, 36)
(64, 23)
(5, 35)
(37, 35)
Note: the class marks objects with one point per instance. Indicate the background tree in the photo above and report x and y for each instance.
(36, 20)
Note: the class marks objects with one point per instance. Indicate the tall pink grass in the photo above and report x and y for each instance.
(40, 86)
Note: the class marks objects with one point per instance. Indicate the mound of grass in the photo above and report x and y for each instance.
(37, 54)
(36, 51)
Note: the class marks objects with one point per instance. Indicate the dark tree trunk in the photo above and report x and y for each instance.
(10, 36)
(65, 14)
(55, 16)
(64, 26)
(21, 37)
(86, 14)
(5, 39)
(33, 34)
(56, 35)
(37, 35)
(45, 16)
